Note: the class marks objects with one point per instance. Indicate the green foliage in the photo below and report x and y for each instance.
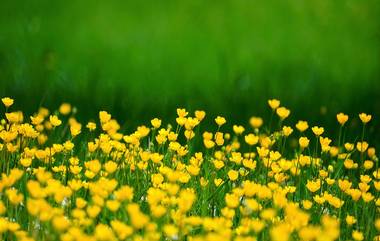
(143, 58)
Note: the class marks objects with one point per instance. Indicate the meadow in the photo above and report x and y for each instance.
(189, 120)
(270, 180)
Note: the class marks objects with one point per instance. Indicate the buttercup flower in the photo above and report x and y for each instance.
(342, 118)
(365, 118)
(7, 101)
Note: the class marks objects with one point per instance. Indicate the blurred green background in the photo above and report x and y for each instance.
(142, 59)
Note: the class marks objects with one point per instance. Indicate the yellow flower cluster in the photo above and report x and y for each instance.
(60, 181)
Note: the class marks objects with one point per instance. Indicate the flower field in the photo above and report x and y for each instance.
(267, 180)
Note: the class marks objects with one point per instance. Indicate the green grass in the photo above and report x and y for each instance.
(140, 59)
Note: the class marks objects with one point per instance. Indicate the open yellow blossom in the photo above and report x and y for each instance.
(283, 112)
(287, 130)
(91, 126)
(307, 204)
(342, 118)
(273, 103)
(104, 117)
(200, 114)
(313, 186)
(365, 118)
(302, 125)
(256, 122)
(220, 120)
(55, 121)
(233, 175)
(7, 101)
(303, 142)
(238, 129)
(65, 109)
(358, 236)
(156, 123)
(317, 130)
(350, 220)
(362, 146)
(251, 139)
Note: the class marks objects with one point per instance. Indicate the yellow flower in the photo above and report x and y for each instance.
(262, 151)
(218, 181)
(350, 220)
(365, 178)
(371, 152)
(91, 126)
(60, 223)
(156, 123)
(37, 120)
(220, 120)
(171, 231)
(368, 164)
(80, 202)
(200, 114)
(104, 117)
(302, 125)
(238, 129)
(287, 131)
(268, 214)
(232, 200)
(26, 162)
(3, 209)
(307, 204)
(318, 199)
(251, 139)
(273, 103)
(113, 205)
(14, 197)
(208, 143)
(65, 109)
(189, 134)
(280, 232)
(358, 236)
(138, 219)
(256, 122)
(110, 166)
(122, 230)
(344, 184)
(7, 101)
(362, 146)
(365, 118)
(104, 233)
(342, 118)
(182, 112)
(233, 175)
(193, 170)
(303, 142)
(55, 121)
(283, 112)
(93, 211)
(325, 143)
(15, 117)
(313, 186)
(377, 224)
(354, 193)
(249, 163)
(317, 130)
(124, 193)
(349, 146)
(75, 130)
(367, 197)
